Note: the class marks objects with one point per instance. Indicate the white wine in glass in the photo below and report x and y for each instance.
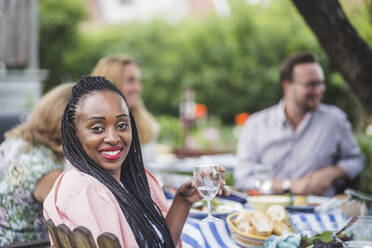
(208, 180)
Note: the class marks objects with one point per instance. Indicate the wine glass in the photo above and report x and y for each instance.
(208, 181)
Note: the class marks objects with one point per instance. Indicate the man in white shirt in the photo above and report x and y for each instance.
(309, 146)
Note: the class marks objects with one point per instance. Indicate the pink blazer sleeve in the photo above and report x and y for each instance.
(89, 204)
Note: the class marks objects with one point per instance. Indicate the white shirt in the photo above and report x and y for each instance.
(324, 137)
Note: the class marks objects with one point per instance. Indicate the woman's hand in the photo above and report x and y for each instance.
(186, 195)
(222, 190)
(188, 192)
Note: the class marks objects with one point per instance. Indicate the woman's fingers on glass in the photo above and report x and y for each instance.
(225, 191)
(195, 193)
(189, 184)
(189, 191)
(200, 196)
(198, 175)
(221, 169)
(188, 187)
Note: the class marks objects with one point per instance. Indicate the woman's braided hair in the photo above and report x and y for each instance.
(134, 198)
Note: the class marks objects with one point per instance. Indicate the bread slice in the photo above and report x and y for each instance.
(244, 216)
(279, 227)
(246, 228)
(262, 224)
(278, 213)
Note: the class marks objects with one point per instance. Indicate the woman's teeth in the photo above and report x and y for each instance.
(111, 153)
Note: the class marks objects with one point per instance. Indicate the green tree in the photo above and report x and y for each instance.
(58, 36)
(232, 62)
(345, 48)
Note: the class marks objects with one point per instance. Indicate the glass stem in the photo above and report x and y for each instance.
(209, 209)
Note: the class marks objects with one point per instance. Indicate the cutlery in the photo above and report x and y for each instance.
(349, 223)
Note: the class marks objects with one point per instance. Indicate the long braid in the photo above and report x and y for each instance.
(136, 192)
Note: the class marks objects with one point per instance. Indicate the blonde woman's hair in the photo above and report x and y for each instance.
(112, 68)
(43, 126)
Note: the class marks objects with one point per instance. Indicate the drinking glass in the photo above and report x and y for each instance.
(359, 232)
(208, 181)
(357, 204)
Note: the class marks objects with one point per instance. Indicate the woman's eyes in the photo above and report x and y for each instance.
(97, 129)
(122, 125)
(132, 80)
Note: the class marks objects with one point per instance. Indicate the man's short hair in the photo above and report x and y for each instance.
(286, 67)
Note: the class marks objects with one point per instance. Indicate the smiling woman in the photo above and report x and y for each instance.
(103, 128)
(108, 189)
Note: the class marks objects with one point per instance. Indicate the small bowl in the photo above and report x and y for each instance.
(263, 202)
(243, 239)
(360, 231)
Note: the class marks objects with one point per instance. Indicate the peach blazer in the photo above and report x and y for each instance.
(78, 199)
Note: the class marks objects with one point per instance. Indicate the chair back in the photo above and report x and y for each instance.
(80, 237)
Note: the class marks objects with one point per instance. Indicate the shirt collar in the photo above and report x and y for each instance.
(282, 118)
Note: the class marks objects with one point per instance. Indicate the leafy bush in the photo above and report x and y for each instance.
(232, 63)
(58, 36)
(211, 135)
(365, 143)
(207, 135)
(170, 131)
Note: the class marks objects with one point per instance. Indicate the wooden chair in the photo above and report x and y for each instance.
(80, 237)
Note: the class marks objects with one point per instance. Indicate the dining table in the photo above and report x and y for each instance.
(199, 234)
(171, 172)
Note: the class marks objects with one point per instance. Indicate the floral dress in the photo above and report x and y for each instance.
(21, 166)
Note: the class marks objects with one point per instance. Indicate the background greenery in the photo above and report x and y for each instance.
(231, 63)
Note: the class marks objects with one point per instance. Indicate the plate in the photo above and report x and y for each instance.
(220, 208)
(243, 239)
(263, 202)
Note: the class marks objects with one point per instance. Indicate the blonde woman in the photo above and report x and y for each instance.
(31, 159)
(125, 74)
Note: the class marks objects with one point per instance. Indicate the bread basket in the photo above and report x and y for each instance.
(243, 239)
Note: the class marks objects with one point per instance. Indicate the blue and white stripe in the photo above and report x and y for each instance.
(198, 234)
(310, 224)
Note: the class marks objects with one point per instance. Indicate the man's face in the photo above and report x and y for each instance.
(307, 87)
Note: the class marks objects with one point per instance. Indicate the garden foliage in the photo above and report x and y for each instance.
(232, 62)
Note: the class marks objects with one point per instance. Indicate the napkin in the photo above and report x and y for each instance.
(287, 240)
